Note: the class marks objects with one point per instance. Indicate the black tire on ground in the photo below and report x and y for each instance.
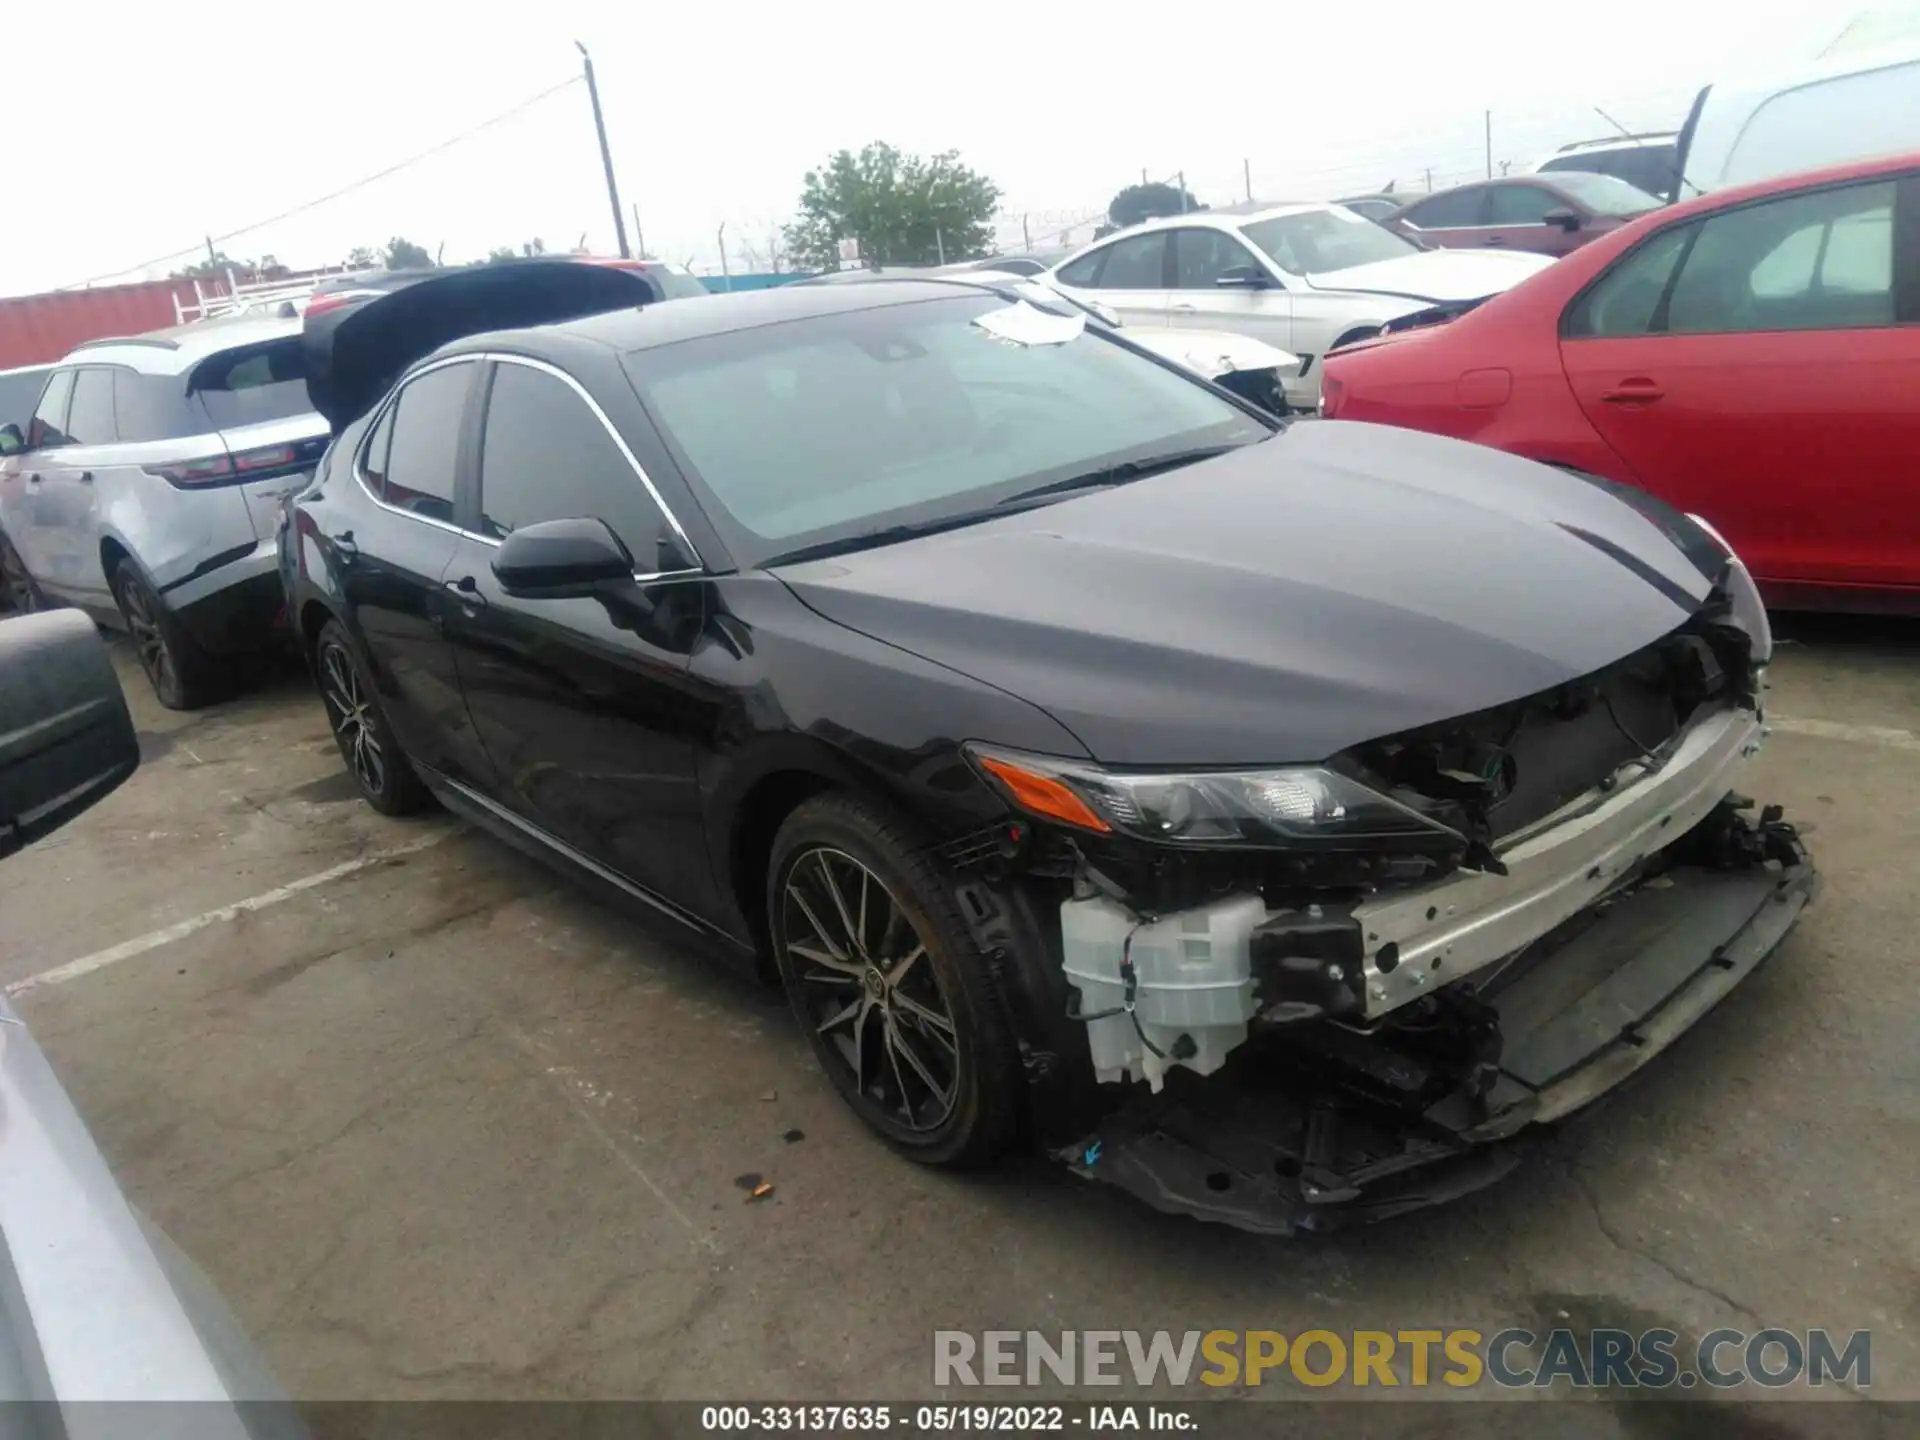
(184, 676)
(380, 770)
(902, 1009)
(18, 593)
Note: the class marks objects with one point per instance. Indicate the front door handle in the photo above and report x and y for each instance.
(34, 479)
(1635, 391)
(468, 591)
(1493, 240)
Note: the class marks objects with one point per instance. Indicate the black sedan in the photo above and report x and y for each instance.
(1273, 820)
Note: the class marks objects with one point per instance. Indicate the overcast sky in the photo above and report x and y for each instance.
(154, 132)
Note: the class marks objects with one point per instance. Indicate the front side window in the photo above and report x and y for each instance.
(1604, 195)
(1201, 257)
(90, 415)
(911, 413)
(1520, 204)
(1822, 261)
(422, 455)
(1316, 242)
(545, 456)
(1457, 209)
(48, 426)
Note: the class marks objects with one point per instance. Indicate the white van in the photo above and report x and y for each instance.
(1854, 103)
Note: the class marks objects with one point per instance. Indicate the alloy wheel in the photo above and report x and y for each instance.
(870, 988)
(156, 657)
(351, 714)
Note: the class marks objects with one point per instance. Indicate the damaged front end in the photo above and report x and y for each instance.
(1350, 988)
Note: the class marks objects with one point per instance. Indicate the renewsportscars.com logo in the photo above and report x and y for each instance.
(1512, 1358)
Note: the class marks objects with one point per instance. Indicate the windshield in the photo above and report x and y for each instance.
(1317, 241)
(834, 426)
(1604, 194)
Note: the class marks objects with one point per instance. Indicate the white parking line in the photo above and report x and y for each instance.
(167, 934)
(1860, 734)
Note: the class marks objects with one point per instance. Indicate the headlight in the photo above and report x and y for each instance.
(1748, 610)
(1293, 806)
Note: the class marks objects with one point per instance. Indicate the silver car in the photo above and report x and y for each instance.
(146, 490)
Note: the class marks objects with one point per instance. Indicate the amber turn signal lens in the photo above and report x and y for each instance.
(1043, 795)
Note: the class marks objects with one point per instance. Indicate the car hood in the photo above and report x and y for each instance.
(1434, 275)
(1335, 584)
(1212, 353)
(355, 352)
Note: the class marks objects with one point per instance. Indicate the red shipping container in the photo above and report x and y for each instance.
(39, 329)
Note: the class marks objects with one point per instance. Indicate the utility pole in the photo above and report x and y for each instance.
(1429, 179)
(639, 240)
(1026, 235)
(1181, 175)
(606, 155)
(1489, 117)
(213, 256)
(1143, 179)
(940, 244)
(1246, 173)
(726, 275)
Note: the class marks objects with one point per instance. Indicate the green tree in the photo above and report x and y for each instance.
(1144, 202)
(362, 257)
(902, 209)
(500, 254)
(403, 254)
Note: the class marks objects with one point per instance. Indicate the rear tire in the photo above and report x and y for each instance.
(900, 1006)
(18, 593)
(380, 770)
(183, 675)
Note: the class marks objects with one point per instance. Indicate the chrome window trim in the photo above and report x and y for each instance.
(502, 358)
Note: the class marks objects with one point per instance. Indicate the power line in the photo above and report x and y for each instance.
(326, 199)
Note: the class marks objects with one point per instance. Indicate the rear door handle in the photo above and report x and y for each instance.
(1636, 391)
(468, 591)
(34, 479)
(86, 477)
(1493, 240)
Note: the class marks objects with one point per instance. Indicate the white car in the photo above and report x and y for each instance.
(1304, 278)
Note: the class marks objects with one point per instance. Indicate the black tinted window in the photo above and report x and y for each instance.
(50, 415)
(545, 456)
(1136, 264)
(425, 442)
(90, 415)
(1455, 208)
(1520, 204)
(247, 386)
(1627, 298)
(1822, 261)
(154, 407)
(1201, 257)
(1084, 271)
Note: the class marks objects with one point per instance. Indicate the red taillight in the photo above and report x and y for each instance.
(227, 469)
(1332, 392)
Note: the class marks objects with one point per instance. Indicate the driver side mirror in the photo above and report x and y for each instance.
(12, 442)
(561, 559)
(1568, 220)
(66, 739)
(1242, 277)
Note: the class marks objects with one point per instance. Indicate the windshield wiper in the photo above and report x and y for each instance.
(868, 539)
(1120, 474)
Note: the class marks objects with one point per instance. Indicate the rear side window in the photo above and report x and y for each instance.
(48, 426)
(422, 453)
(1628, 297)
(545, 456)
(1809, 262)
(253, 384)
(1084, 271)
(90, 415)
(155, 407)
(1136, 264)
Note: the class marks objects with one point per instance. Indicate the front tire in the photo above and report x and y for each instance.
(380, 770)
(184, 676)
(900, 1006)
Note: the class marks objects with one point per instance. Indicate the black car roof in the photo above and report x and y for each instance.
(670, 321)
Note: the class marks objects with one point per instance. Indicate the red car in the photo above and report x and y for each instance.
(1548, 214)
(1752, 357)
